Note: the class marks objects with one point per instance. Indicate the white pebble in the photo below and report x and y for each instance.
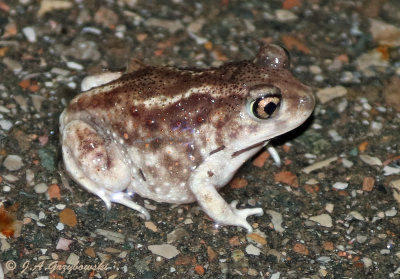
(60, 226)
(13, 162)
(253, 250)
(347, 163)
(388, 170)
(357, 215)
(391, 212)
(5, 124)
(6, 188)
(340, 185)
(74, 66)
(60, 206)
(30, 34)
(40, 188)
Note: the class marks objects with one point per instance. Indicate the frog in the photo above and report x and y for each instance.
(178, 135)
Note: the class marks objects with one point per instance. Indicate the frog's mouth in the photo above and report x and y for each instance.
(256, 145)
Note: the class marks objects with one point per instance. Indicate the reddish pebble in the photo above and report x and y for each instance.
(288, 4)
(328, 245)
(363, 146)
(234, 241)
(300, 249)
(288, 178)
(238, 182)
(311, 188)
(368, 184)
(260, 159)
(293, 43)
(199, 269)
(211, 254)
(54, 192)
(68, 217)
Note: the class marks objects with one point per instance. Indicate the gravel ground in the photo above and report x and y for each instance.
(331, 208)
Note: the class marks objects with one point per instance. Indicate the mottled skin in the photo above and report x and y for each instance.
(177, 135)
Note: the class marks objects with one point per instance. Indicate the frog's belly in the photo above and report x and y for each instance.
(161, 171)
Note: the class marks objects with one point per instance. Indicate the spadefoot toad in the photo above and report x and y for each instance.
(179, 135)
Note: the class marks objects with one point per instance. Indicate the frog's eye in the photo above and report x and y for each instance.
(265, 106)
(264, 101)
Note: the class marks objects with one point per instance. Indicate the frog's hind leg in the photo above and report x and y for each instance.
(96, 162)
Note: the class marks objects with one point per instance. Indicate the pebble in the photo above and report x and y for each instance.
(385, 251)
(367, 262)
(6, 125)
(391, 212)
(171, 25)
(177, 235)
(347, 163)
(4, 246)
(276, 219)
(37, 101)
(335, 135)
(324, 220)
(49, 5)
(60, 226)
(366, 62)
(30, 34)
(361, 238)
(341, 107)
(74, 66)
(41, 188)
(10, 178)
(328, 94)
(63, 244)
(60, 206)
(6, 189)
(237, 255)
(111, 235)
(253, 250)
(167, 251)
(276, 275)
(370, 160)
(395, 185)
(12, 64)
(73, 259)
(324, 259)
(388, 170)
(285, 15)
(357, 215)
(13, 162)
(319, 165)
(340, 185)
(329, 207)
(384, 33)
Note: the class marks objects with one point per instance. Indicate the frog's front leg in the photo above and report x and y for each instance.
(203, 185)
(97, 163)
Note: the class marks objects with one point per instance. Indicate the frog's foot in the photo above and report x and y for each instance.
(125, 199)
(218, 209)
(239, 216)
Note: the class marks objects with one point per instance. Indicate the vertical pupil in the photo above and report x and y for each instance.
(270, 108)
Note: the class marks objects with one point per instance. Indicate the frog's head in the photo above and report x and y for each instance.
(275, 101)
